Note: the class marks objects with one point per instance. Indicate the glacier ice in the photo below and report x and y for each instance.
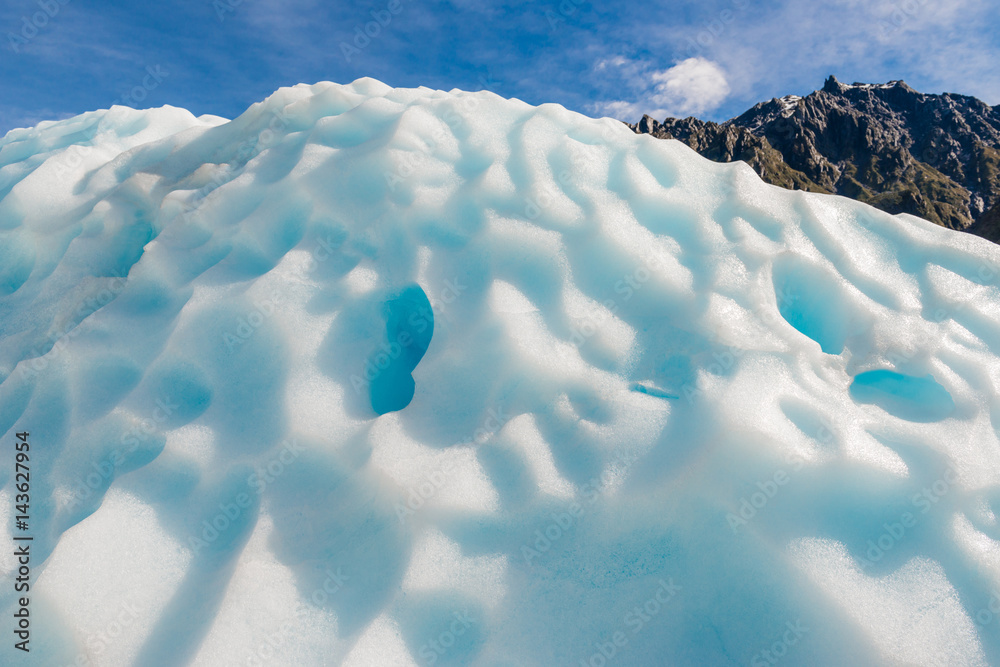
(375, 376)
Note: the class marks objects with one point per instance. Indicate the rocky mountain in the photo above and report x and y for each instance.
(934, 156)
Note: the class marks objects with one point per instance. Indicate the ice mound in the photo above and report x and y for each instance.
(373, 376)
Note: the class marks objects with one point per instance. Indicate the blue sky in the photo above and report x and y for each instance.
(712, 58)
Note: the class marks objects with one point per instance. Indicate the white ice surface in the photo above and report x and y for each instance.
(654, 400)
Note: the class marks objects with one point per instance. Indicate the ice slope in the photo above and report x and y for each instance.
(637, 408)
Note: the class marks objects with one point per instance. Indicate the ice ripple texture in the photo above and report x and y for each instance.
(375, 376)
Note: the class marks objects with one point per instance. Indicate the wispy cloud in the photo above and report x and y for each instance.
(771, 49)
(711, 58)
(936, 45)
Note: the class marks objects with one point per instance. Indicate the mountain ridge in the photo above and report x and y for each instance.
(885, 144)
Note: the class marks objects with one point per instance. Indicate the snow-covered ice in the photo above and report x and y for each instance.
(375, 376)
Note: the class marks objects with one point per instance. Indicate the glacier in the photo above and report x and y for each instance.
(377, 376)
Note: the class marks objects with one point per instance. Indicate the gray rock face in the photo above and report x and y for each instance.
(935, 156)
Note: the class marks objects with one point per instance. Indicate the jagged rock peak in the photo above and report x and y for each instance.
(832, 85)
(835, 87)
(648, 125)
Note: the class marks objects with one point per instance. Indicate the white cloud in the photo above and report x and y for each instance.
(617, 61)
(629, 111)
(790, 46)
(691, 87)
